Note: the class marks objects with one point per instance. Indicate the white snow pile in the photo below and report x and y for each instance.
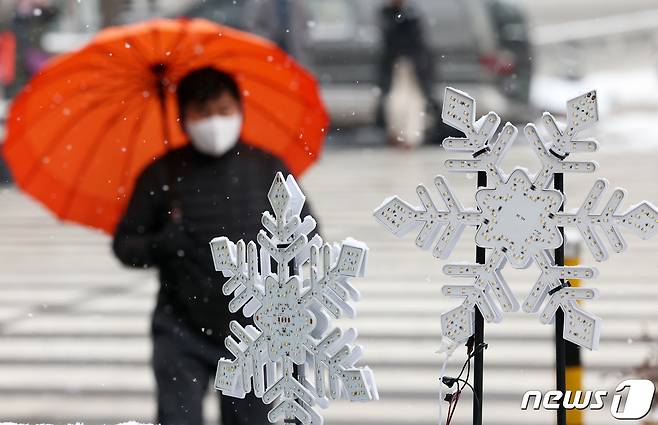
(628, 105)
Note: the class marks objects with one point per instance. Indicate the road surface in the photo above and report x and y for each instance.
(74, 343)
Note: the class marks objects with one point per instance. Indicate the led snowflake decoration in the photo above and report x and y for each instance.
(518, 219)
(291, 313)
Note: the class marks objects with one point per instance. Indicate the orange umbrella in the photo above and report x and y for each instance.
(83, 129)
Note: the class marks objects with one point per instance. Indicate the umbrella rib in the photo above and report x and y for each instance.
(65, 68)
(125, 64)
(73, 190)
(176, 45)
(136, 130)
(191, 64)
(138, 52)
(155, 34)
(277, 87)
(266, 81)
(274, 119)
(52, 76)
(56, 141)
(45, 80)
(174, 56)
(110, 91)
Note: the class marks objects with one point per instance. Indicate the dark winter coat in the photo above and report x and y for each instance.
(402, 36)
(210, 197)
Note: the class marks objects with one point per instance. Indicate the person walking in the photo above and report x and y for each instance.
(216, 185)
(406, 75)
(31, 20)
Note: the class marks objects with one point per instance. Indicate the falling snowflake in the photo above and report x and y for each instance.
(291, 313)
(517, 218)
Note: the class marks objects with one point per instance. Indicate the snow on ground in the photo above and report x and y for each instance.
(628, 105)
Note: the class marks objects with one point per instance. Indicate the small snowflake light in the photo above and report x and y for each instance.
(517, 218)
(292, 313)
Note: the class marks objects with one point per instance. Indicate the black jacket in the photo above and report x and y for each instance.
(403, 36)
(182, 201)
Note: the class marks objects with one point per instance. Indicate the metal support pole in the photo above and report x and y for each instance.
(560, 346)
(478, 359)
(298, 371)
(574, 370)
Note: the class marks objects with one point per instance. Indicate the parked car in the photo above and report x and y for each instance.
(480, 47)
(512, 34)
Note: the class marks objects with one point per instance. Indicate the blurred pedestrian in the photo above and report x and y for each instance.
(7, 60)
(286, 22)
(31, 19)
(6, 13)
(406, 74)
(110, 11)
(7, 73)
(216, 185)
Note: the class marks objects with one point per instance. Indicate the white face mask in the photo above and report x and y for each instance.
(215, 135)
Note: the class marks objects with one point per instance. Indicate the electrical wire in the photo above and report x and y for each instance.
(456, 395)
(442, 374)
(453, 407)
(449, 381)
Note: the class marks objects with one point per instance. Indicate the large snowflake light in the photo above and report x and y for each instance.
(291, 313)
(517, 218)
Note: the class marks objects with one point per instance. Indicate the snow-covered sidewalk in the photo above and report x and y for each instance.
(628, 105)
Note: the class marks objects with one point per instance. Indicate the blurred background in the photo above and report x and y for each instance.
(74, 343)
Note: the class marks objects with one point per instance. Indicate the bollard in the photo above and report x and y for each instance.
(574, 370)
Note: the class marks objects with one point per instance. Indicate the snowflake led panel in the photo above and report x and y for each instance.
(292, 313)
(517, 218)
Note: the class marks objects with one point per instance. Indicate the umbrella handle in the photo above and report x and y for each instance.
(176, 214)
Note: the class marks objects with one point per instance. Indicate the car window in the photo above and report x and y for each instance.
(509, 22)
(447, 23)
(225, 12)
(332, 20)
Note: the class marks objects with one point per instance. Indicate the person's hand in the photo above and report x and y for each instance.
(171, 242)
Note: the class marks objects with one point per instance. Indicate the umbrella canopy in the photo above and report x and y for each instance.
(83, 129)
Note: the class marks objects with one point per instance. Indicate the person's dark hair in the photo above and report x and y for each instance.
(203, 84)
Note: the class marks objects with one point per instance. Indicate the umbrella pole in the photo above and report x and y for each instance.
(174, 200)
(298, 371)
(159, 70)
